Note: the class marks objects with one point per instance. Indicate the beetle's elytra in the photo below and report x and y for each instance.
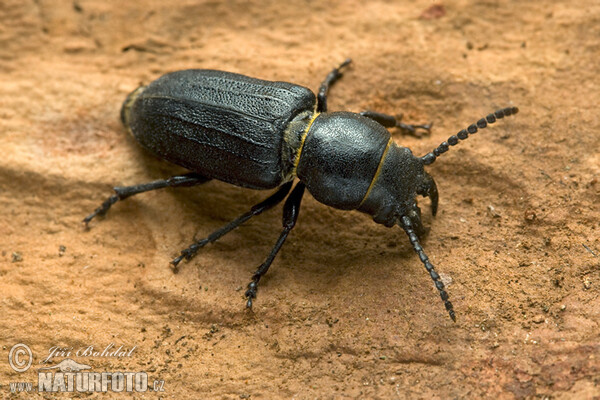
(263, 135)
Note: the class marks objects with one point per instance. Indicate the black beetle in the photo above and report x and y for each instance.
(261, 135)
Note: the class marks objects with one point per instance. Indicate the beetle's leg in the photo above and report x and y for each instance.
(123, 192)
(415, 217)
(290, 215)
(270, 202)
(429, 189)
(407, 224)
(389, 121)
(330, 79)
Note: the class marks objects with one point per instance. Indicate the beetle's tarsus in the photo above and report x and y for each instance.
(251, 292)
(390, 121)
(411, 129)
(102, 210)
(188, 253)
(253, 287)
(346, 62)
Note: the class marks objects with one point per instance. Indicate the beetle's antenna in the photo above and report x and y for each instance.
(414, 240)
(462, 135)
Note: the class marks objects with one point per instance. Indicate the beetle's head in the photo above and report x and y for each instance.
(401, 176)
(391, 200)
(393, 192)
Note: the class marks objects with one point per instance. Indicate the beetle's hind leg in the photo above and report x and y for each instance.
(290, 216)
(389, 121)
(123, 192)
(270, 202)
(330, 79)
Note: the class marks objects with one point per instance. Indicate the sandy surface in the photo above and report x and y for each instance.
(347, 310)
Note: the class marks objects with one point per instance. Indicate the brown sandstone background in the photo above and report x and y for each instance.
(346, 311)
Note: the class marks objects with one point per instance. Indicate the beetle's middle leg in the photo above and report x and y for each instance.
(290, 216)
(123, 192)
(389, 121)
(265, 205)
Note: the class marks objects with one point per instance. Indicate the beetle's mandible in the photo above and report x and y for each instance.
(262, 135)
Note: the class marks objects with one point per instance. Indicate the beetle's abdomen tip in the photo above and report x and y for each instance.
(128, 103)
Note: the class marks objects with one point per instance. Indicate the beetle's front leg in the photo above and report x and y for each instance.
(330, 79)
(429, 189)
(290, 216)
(389, 121)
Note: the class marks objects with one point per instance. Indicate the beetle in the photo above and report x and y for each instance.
(263, 135)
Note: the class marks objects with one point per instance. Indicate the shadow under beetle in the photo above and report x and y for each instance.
(262, 135)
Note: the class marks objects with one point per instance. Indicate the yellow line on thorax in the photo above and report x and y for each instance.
(304, 135)
(377, 173)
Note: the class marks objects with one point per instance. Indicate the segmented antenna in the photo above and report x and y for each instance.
(462, 135)
(414, 240)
